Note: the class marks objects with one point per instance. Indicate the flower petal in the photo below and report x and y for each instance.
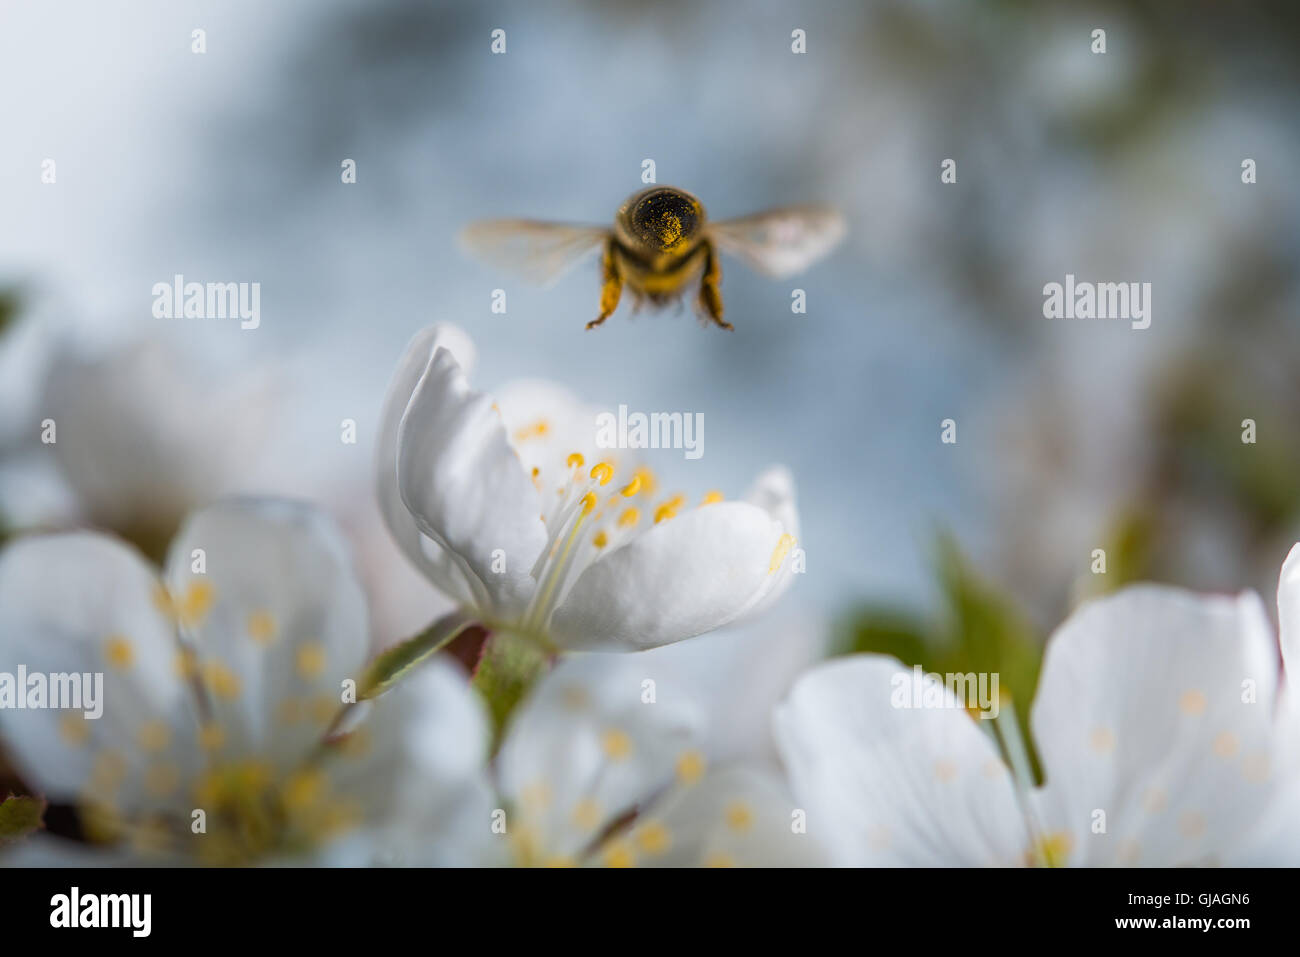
(465, 487)
(679, 578)
(887, 785)
(598, 737)
(417, 768)
(1288, 609)
(85, 603)
(142, 444)
(546, 423)
(735, 817)
(436, 564)
(1156, 707)
(277, 619)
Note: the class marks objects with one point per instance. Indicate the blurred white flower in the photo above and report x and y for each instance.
(142, 441)
(1155, 722)
(510, 507)
(740, 673)
(145, 438)
(603, 765)
(223, 692)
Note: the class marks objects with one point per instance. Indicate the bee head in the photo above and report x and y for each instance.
(664, 218)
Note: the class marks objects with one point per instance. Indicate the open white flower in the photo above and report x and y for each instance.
(1155, 721)
(603, 765)
(223, 691)
(509, 506)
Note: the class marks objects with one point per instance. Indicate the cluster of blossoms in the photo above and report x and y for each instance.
(246, 721)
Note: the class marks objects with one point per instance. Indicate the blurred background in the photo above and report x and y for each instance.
(1072, 435)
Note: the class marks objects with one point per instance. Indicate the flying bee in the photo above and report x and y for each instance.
(660, 245)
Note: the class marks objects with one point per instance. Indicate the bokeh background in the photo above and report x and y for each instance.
(1071, 435)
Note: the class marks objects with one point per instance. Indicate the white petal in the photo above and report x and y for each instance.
(592, 742)
(734, 817)
(1288, 609)
(740, 674)
(1140, 715)
(773, 491)
(281, 623)
(85, 603)
(417, 766)
(895, 785)
(142, 443)
(546, 423)
(465, 487)
(679, 578)
(437, 565)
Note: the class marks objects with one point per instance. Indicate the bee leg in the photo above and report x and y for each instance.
(611, 288)
(710, 288)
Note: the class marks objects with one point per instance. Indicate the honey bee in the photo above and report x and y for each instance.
(661, 243)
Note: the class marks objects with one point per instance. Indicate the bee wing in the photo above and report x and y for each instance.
(539, 251)
(781, 242)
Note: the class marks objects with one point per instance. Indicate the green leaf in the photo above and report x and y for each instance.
(976, 629)
(985, 631)
(20, 815)
(389, 668)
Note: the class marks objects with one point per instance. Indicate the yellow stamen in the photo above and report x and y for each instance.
(194, 607)
(1054, 849)
(303, 789)
(630, 516)
(534, 431)
(310, 660)
(712, 497)
(617, 744)
(653, 838)
(632, 487)
(601, 539)
(783, 546)
(647, 479)
(261, 626)
(739, 816)
(586, 814)
(588, 503)
(620, 854)
(690, 767)
(223, 682)
(575, 460)
(669, 509)
(602, 472)
(118, 651)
